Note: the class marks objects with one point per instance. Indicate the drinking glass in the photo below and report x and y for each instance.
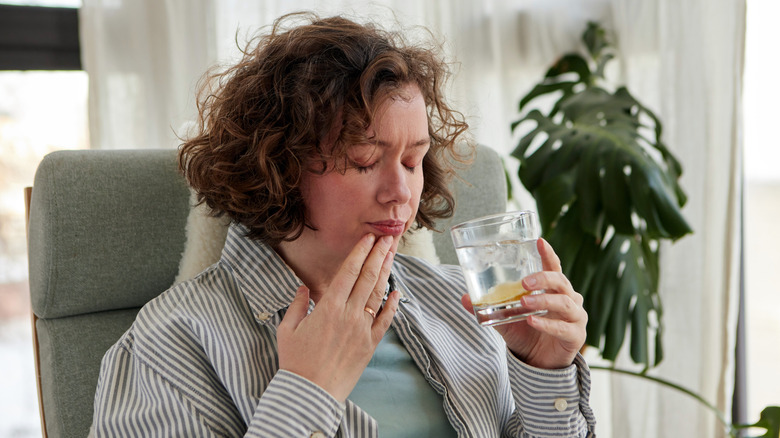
(496, 252)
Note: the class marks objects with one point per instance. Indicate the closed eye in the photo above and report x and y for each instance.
(364, 169)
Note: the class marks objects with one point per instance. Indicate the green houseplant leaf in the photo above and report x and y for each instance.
(770, 420)
(607, 191)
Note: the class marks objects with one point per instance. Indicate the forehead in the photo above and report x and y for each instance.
(400, 123)
(342, 136)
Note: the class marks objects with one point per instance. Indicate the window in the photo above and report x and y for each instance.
(43, 107)
(762, 208)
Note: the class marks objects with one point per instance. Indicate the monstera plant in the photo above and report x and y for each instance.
(607, 191)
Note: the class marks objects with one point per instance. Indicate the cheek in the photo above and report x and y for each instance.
(319, 194)
(331, 197)
(416, 188)
(418, 185)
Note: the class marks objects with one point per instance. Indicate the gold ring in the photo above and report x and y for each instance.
(370, 311)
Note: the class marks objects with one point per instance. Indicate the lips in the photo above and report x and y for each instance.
(389, 227)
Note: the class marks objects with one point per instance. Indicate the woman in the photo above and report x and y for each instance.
(324, 144)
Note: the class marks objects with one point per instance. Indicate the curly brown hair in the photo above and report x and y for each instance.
(265, 119)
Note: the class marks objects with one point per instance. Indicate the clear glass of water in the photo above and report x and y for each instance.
(496, 252)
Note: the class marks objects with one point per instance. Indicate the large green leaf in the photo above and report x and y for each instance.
(597, 167)
(622, 293)
(557, 193)
(557, 234)
(566, 87)
(588, 190)
(601, 142)
(770, 421)
(595, 39)
(615, 192)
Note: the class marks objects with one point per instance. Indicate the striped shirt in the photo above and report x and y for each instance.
(201, 360)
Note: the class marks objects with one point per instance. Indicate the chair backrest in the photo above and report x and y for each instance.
(106, 233)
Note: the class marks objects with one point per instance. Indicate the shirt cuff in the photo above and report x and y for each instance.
(549, 401)
(292, 405)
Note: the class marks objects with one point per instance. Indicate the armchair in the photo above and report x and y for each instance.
(106, 234)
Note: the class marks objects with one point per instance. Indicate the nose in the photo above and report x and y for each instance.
(394, 185)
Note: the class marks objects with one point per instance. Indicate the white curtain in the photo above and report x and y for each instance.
(685, 60)
(143, 59)
(682, 59)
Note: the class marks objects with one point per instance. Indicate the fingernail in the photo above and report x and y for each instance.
(388, 240)
(529, 282)
(529, 300)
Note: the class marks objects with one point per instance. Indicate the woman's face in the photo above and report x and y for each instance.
(379, 192)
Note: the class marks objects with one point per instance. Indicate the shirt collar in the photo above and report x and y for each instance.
(266, 281)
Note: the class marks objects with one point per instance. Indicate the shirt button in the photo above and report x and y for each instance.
(317, 435)
(263, 316)
(561, 404)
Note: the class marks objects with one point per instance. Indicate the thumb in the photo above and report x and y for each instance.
(298, 308)
(466, 301)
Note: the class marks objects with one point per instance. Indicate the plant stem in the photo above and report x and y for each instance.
(722, 418)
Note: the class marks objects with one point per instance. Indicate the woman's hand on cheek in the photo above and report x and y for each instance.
(333, 344)
(548, 341)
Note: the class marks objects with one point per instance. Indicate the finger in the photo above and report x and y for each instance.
(549, 281)
(553, 283)
(350, 269)
(385, 317)
(466, 301)
(550, 260)
(558, 306)
(571, 335)
(373, 276)
(378, 292)
(298, 309)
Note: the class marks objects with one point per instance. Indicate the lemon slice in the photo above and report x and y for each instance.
(502, 293)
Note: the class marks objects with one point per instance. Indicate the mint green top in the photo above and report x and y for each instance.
(394, 392)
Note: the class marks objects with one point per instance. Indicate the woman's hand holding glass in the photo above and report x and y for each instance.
(333, 344)
(550, 341)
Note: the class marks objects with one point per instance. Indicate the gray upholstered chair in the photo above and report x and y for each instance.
(106, 233)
